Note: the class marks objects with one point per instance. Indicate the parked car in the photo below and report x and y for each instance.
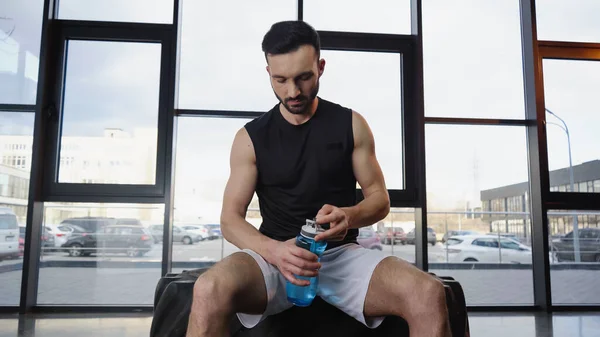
(395, 235)
(61, 234)
(486, 249)
(202, 231)
(431, 236)
(179, 234)
(48, 239)
(368, 238)
(131, 240)
(91, 224)
(9, 234)
(456, 232)
(589, 246)
(214, 231)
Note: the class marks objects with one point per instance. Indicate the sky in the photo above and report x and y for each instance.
(472, 68)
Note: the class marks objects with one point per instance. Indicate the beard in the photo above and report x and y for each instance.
(304, 104)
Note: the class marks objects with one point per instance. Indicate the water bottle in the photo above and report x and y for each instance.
(303, 296)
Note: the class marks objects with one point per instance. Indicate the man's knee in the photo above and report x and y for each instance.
(218, 289)
(430, 296)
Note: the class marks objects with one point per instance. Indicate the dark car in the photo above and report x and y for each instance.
(589, 246)
(368, 238)
(393, 235)
(90, 224)
(431, 236)
(131, 240)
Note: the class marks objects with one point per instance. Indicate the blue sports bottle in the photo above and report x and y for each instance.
(303, 296)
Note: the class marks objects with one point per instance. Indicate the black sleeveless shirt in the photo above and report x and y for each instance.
(302, 167)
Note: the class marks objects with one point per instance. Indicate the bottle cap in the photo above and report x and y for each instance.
(311, 229)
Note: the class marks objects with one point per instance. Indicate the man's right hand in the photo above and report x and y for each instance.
(292, 260)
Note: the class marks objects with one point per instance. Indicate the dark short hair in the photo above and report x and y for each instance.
(287, 36)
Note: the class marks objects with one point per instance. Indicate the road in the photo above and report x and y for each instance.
(135, 286)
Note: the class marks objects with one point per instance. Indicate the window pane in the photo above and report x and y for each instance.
(376, 96)
(570, 91)
(376, 16)
(472, 172)
(110, 113)
(574, 20)
(222, 65)
(472, 65)
(16, 136)
(149, 11)
(101, 265)
(574, 259)
(202, 170)
(395, 235)
(20, 34)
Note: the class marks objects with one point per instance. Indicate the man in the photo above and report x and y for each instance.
(303, 158)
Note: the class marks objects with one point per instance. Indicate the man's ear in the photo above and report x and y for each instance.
(321, 66)
(268, 70)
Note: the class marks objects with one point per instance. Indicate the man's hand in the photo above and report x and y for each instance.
(338, 223)
(292, 260)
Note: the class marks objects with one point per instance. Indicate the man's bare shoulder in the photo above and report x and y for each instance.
(242, 148)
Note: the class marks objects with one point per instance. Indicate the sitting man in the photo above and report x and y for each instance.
(303, 158)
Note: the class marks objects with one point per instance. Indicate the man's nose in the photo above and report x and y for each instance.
(293, 90)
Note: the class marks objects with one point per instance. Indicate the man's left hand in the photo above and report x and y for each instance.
(338, 223)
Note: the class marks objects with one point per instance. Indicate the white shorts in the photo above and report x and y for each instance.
(343, 282)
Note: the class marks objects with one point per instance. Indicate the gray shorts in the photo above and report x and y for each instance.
(343, 282)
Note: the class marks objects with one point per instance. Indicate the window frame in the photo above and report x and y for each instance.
(64, 31)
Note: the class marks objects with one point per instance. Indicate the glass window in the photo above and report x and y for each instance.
(568, 20)
(396, 225)
(147, 11)
(570, 92)
(199, 189)
(110, 112)
(20, 35)
(467, 165)
(377, 96)
(125, 269)
(16, 129)
(222, 65)
(573, 260)
(479, 74)
(376, 16)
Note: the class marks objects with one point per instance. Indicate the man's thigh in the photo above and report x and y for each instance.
(240, 277)
(344, 279)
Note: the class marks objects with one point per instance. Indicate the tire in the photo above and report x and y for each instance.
(75, 250)
(132, 251)
(187, 240)
(470, 259)
(432, 244)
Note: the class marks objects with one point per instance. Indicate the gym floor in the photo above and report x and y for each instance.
(130, 325)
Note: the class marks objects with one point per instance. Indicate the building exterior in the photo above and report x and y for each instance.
(507, 207)
(116, 157)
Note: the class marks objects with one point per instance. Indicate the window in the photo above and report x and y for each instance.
(573, 259)
(202, 171)
(147, 11)
(15, 127)
(570, 88)
(479, 74)
(377, 96)
(20, 50)
(125, 78)
(222, 65)
(568, 20)
(376, 16)
(124, 272)
(466, 165)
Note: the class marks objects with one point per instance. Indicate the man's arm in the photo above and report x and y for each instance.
(238, 194)
(288, 258)
(376, 204)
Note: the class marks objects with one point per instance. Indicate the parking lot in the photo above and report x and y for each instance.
(115, 279)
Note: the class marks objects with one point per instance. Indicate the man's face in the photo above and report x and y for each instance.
(295, 78)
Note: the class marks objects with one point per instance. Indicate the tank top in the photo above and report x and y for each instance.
(303, 167)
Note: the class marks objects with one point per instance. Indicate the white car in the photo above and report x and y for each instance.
(486, 249)
(201, 231)
(61, 233)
